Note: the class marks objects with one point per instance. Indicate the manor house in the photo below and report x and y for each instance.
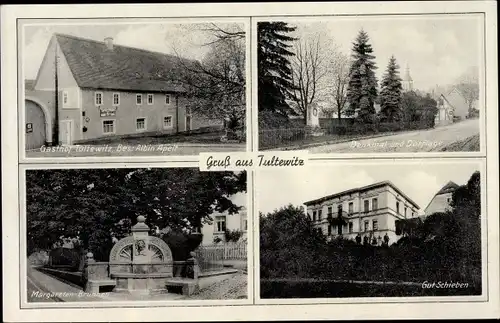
(370, 211)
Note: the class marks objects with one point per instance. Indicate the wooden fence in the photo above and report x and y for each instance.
(212, 257)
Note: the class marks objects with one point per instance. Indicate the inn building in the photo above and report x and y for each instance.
(370, 211)
(87, 90)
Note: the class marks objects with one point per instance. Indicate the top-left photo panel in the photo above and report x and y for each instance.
(107, 89)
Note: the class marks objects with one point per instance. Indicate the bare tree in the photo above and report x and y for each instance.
(216, 85)
(222, 33)
(470, 92)
(309, 70)
(468, 86)
(339, 75)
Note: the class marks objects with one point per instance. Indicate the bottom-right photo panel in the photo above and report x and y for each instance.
(358, 229)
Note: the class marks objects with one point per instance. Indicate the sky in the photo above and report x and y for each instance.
(419, 180)
(186, 39)
(437, 49)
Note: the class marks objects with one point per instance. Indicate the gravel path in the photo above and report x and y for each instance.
(233, 287)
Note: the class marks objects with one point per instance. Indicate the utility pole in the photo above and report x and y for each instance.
(56, 99)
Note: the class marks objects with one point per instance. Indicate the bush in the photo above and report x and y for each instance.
(64, 258)
(233, 235)
(276, 137)
(181, 243)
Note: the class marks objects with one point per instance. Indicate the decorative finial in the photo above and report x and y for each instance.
(140, 226)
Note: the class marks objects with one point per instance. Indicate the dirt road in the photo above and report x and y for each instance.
(415, 141)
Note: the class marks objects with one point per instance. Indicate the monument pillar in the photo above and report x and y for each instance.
(313, 115)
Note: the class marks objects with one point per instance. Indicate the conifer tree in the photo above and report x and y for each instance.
(391, 93)
(362, 87)
(274, 67)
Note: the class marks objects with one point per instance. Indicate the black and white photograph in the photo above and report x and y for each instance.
(157, 88)
(257, 161)
(127, 234)
(371, 84)
(371, 230)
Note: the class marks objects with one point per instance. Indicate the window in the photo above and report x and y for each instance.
(374, 204)
(397, 207)
(167, 122)
(339, 210)
(116, 99)
(150, 99)
(375, 225)
(108, 126)
(449, 199)
(405, 212)
(329, 211)
(367, 224)
(167, 98)
(245, 225)
(220, 223)
(351, 207)
(98, 98)
(412, 214)
(140, 124)
(367, 205)
(319, 214)
(350, 227)
(329, 230)
(138, 99)
(314, 215)
(65, 98)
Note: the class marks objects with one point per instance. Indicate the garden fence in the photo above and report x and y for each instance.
(212, 257)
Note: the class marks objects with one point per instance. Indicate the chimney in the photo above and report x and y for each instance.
(109, 43)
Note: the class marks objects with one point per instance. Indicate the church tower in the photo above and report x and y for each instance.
(407, 80)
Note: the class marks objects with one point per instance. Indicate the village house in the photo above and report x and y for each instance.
(441, 202)
(106, 90)
(370, 211)
(223, 222)
(452, 107)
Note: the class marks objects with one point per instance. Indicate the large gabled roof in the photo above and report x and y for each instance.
(95, 66)
(450, 187)
(361, 189)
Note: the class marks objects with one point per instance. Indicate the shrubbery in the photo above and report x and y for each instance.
(64, 258)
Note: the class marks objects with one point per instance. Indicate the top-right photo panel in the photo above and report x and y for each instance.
(372, 84)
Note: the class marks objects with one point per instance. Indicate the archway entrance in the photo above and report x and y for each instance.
(36, 125)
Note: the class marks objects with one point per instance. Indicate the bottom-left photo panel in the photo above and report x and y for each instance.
(133, 234)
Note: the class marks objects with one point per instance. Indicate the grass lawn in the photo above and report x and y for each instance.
(319, 289)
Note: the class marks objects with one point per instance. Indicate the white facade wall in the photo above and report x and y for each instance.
(381, 212)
